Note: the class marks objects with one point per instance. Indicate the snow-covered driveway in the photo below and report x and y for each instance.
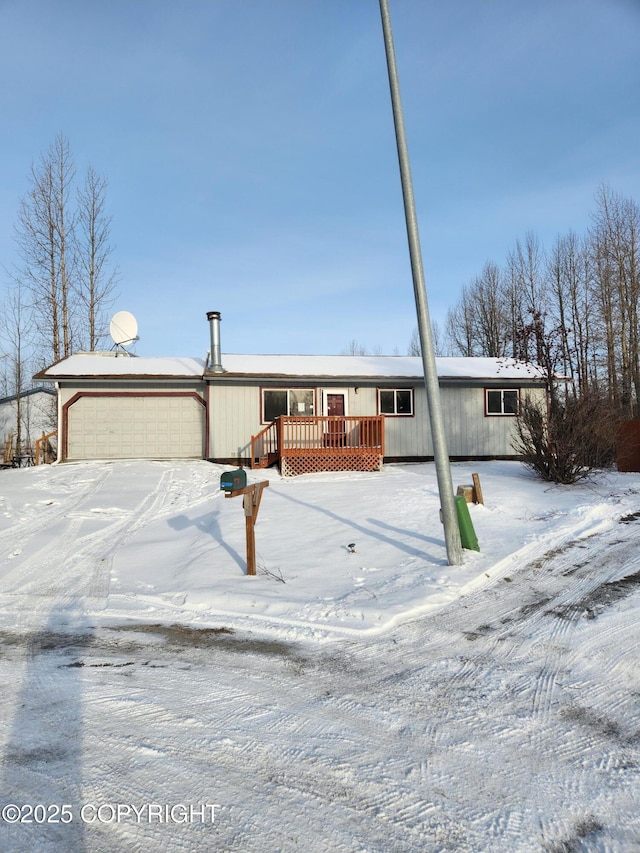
(494, 711)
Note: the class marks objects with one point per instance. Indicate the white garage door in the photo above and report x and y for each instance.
(135, 427)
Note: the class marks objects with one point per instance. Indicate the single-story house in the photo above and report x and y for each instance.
(304, 412)
(37, 407)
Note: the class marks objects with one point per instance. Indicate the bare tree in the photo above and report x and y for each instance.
(44, 232)
(616, 256)
(96, 281)
(62, 235)
(576, 312)
(570, 277)
(354, 348)
(527, 293)
(492, 318)
(481, 323)
(415, 347)
(16, 343)
(461, 327)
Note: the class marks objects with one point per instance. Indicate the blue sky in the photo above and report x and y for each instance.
(251, 159)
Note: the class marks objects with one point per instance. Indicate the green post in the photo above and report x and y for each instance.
(467, 533)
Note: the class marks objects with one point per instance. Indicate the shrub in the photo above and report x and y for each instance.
(568, 440)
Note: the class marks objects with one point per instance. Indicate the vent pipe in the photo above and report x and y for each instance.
(216, 356)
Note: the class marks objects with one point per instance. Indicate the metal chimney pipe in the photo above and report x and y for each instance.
(216, 356)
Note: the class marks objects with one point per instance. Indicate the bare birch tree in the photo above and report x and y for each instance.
(415, 347)
(460, 324)
(615, 246)
(43, 233)
(62, 233)
(354, 348)
(96, 281)
(527, 293)
(577, 312)
(479, 325)
(492, 319)
(15, 341)
(574, 311)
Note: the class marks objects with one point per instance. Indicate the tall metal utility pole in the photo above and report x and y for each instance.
(441, 457)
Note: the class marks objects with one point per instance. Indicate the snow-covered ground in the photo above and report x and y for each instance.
(156, 698)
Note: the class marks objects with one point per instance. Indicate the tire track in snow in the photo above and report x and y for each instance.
(354, 762)
(71, 547)
(14, 539)
(37, 567)
(254, 736)
(527, 650)
(569, 611)
(359, 748)
(34, 585)
(524, 652)
(595, 569)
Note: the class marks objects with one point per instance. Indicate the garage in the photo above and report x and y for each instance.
(103, 425)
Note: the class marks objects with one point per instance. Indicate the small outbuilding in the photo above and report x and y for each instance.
(26, 416)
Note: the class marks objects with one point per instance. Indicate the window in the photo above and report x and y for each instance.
(395, 401)
(286, 401)
(501, 401)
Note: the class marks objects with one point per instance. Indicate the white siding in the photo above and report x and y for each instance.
(235, 416)
(469, 432)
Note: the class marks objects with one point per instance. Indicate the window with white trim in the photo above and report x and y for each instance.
(395, 401)
(286, 401)
(502, 401)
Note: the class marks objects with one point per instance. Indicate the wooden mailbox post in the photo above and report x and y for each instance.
(252, 495)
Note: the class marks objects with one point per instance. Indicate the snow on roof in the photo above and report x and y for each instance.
(357, 366)
(90, 366)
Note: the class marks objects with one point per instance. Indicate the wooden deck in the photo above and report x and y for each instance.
(303, 445)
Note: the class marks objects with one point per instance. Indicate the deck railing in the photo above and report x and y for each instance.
(332, 442)
(264, 446)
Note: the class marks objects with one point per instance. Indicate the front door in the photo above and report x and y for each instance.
(335, 406)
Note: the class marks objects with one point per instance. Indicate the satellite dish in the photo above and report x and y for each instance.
(123, 329)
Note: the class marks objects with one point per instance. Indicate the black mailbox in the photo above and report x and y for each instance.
(231, 481)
